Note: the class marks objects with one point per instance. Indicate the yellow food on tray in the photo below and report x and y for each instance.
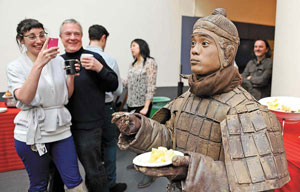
(275, 105)
(8, 94)
(161, 154)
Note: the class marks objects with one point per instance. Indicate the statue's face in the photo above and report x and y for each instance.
(204, 53)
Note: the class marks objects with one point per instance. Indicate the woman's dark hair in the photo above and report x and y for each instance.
(144, 49)
(268, 54)
(24, 26)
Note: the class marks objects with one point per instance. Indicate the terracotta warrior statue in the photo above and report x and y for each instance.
(230, 141)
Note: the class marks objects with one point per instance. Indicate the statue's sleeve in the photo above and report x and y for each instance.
(151, 134)
(205, 174)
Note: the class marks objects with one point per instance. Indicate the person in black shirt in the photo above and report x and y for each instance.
(98, 36)
(87, 105)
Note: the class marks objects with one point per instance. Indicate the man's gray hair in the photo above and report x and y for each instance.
(70, 21)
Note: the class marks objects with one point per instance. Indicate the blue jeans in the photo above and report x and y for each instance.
(88, 147)
(109, 145)
(62, 153)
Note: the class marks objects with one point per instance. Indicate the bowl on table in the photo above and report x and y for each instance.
(284, 107)
(10, 101)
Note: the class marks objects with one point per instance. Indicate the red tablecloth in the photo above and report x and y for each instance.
(292, 148)
(9, 160)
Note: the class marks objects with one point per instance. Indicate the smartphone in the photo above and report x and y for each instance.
(53, 42)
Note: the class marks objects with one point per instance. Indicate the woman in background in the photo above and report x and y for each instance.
(141, 85)
(42, 131)
(141, 79)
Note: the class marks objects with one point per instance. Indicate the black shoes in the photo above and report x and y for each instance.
(118, 187)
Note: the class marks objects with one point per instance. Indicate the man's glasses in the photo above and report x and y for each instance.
(33, 37)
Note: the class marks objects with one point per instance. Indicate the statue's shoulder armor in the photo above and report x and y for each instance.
(163, 114)
(255, 158)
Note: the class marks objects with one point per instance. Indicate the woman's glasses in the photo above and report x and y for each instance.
(33, 37)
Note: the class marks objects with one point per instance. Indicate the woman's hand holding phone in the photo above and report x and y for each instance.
(53, 42)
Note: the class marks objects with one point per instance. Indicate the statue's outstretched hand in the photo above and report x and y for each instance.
(128, 123)
(181, 161)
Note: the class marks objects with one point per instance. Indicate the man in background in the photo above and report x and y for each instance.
(257, 75)
(98, 37)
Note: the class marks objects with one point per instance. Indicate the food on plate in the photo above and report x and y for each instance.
(161, 154)
(8, 94)
(275, 105)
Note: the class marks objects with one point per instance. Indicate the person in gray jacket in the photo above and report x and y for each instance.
(257, 75)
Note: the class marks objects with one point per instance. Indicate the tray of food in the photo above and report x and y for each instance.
(9, 99)
(284, 107)
(158, 157)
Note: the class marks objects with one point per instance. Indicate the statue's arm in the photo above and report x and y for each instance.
(150, 134)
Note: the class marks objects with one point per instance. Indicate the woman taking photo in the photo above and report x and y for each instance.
(141, 85)
(42, 127)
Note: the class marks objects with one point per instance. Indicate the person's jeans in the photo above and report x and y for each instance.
(88, 147)
(109, 145)
(62, 153)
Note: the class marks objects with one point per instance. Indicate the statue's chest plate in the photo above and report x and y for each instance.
(198, 127)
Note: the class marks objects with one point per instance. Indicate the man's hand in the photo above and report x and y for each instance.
(91, 63)
(127, 123)
(77, 68)
(249, 77)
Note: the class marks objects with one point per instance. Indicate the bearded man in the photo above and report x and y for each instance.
(257, 75)
(230, 141)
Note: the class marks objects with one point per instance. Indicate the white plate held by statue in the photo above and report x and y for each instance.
(143, 160)
(3, 109)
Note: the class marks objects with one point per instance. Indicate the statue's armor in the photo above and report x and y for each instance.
(234, 128)
(198, 126)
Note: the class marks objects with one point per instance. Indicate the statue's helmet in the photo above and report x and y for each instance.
(227, 37)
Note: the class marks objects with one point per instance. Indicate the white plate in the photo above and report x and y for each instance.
(143, 160)
(293, 102)
(7, 97)
(3, 109)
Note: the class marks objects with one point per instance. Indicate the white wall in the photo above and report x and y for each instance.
(156, 21)
(286, 67)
